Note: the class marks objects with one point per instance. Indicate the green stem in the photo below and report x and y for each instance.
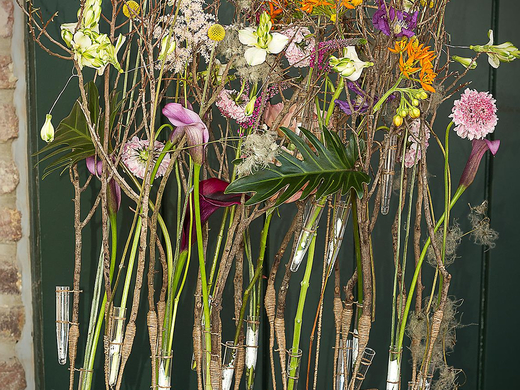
(202, 267)
(447, 191)
(402, 328)
(256, 276)
(220, 238)
(378, 105)
(357, 246)
(332, 104)
(398, 246)
(131, 261)
(298, 319)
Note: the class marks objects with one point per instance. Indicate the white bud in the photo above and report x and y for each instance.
(47, 131)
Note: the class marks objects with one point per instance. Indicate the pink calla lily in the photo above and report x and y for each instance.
(95, 167)
(188, 122)
(212, 197)
(479, 147)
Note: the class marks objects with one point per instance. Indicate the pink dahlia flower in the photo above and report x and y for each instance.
(136, 154)
(474, 115)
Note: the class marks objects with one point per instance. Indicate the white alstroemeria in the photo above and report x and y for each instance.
(349, 66)
(91, 48)
(47, 131)
(167, 46)
(262, 41)
(505, 52)
(90, 15)
(469, 63)
(408, 4)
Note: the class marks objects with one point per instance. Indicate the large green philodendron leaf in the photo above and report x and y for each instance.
(329, 169)
(72, 142)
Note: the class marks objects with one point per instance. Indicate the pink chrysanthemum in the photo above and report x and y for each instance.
(136, 154)
(415, 146)
(474, 114)
(300, 49)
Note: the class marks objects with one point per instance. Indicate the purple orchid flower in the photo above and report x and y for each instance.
(389, 20)
(189, 123)
(479, 147)
(95, 167)
(212, 197)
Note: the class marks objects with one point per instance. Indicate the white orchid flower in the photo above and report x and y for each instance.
(349, 66)
(262, 41)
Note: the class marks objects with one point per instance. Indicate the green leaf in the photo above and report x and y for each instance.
(328, 169)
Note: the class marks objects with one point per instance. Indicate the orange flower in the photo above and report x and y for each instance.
(400, 46)
(276, 7)
(407, 67)
(419, 57)
(351, 4)
(426, 78)
(308, 5)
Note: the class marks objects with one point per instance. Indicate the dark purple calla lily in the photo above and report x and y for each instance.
(188, 122)
(479, 147)
(212, 197)
(95, 167)
(389, 20)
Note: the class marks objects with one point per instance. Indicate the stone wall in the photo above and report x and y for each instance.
(15, 281)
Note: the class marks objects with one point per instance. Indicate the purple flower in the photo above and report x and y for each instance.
(189, 123)
(212, 197)
(95, 167)
(479, 147)
(360, 104)
(389, 20)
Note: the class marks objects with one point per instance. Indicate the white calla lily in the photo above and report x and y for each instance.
(349, 66)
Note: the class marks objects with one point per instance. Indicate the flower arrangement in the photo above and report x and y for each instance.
(310, 104)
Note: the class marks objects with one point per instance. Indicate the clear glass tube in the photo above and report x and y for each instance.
(388, 173)
(422, 384)
(293, 368)
(344, 364)
(252, 330)
(311, 218)
(62, 322)
(228, 364)
(337, 231)
(116, 341)
(165, 370)
(366, 361)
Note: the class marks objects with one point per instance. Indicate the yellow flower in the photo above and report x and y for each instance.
(216, 32)
(131, 9)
